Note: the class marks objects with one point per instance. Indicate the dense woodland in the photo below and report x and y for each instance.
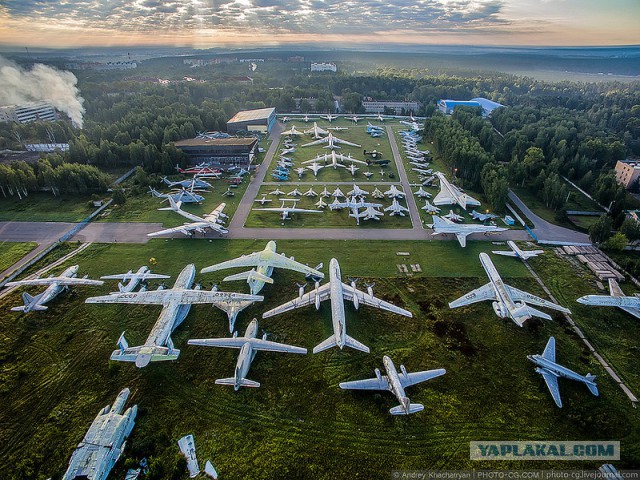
(548, 131)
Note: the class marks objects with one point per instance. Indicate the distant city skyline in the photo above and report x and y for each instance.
(246, 23)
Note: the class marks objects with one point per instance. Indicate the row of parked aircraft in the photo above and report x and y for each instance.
(507, 302)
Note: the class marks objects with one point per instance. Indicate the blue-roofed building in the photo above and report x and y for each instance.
(448, 106)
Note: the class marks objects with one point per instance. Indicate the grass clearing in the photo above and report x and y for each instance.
(56, 374)
(11, 252)
(44, 207)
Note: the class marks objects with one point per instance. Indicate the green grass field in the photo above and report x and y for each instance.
(56, 374)
(44, 207)
(11, 252)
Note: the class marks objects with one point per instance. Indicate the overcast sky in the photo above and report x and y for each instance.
(208, 23)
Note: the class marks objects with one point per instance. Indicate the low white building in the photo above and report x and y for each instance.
(323, 67)
(28, 112)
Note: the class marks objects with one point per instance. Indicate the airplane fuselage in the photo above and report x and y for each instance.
(246, 356)
(393, 378)
(173, 313)
(134, 280)
(55, 289)
(337, 303)
(504, 305)
(555, 369)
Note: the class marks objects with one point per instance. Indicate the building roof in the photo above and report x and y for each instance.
(216, 142)
(455, 103)
(487, 104)
(249, 115)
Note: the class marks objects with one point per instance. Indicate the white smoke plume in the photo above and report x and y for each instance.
(41, 83)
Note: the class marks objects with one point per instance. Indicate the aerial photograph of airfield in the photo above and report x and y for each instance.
(393, 248)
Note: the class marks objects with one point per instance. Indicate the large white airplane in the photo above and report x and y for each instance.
(315, 167)
(329, 117)
(316, 132)
(442, 225)
(249, 345)
(396, 209)
(131, 280)
(451, 195)
(395, 383)
(263, 263)
(337, 292)
(354, 205)
(508, 302)
(550, 370)
(211, 221)
(370, 213)
(617, 298)
(55, 286)
(292, 131)
(333, 158)
(176, 303)
(285, 211)
(331, 141)
(517, 252)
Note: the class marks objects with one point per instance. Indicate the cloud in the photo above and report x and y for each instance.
(279, 16)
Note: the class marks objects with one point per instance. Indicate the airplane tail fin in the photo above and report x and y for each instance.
(328, 343)
(524, 312)
(406, 408)
(30, 303)
(244, 382)
(506, 253)
(353, 343)
(593, 388)
(144, 354)
(250, 275)
(173, 205)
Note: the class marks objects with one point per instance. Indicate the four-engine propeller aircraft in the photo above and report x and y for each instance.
(263, 262)
(517, 252)
(285, 210)
(249, 345)
(550, 370)
(292, 131)
(131, 280)
(55, 286)
(443, 225)
(176, 303)
(508, 302)
(337, 292)
(617, 298)
(316, 132)
(354, 204)
(395, 383)
(199, 224)
(451, 195)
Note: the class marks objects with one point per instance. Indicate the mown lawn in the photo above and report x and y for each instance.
(56, 374)
(11, 252)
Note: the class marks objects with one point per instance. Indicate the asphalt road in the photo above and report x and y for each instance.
(40, 232)
(548, 232)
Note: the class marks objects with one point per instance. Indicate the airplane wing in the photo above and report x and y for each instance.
(309, 298)
(552, 383)
(344, 142)
(251, 260)
(443, 198)
(216, 213)
(267, 346)
(187, 228)
(163, 297)
(526, 297)
(419, 377)
(550, 350)
(300, 210)
(614, 289)
(281, 261)
(380, 383)
(506, 253)
(316, 142)
(125, 276)
(462, 238)
(70, 281)
(349, 292)
(485, 292)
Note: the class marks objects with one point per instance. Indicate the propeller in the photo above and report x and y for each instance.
(370, 287)
(301, 289)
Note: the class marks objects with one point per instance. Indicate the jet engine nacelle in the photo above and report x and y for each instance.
(404, 371)
(301, 290)
(499, 309)
(317, 299)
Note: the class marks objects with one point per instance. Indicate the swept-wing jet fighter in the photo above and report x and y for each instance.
(249, 345)
(617, 298)
(451, 195)
(354, 205)
(454, 217)
(396, 209)
(482, 217)
(395, 382)
(292, 131)
(357, 191)
(393, 192)
(277, 191)
(550, 370)
(353, 169)
(337, 292)
(508, 302)
(329, 117)
(212, 221)
(368, 174)
(300, 171)
(370, 213)
(517, 252)
(377, 193)
(422, 193)
(310, 193)
(430, 209)
(295, 193)
(325, 193)
(337, 193)
(331, 141)
(263, 263)
(380, 118)
(286, 210)
(315, 167)
(321, 203)
(55, 286)
(443, 225)
(131, 280)
(176, 303)
(354, 118)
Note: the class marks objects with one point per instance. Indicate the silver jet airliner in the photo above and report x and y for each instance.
(337, 292)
